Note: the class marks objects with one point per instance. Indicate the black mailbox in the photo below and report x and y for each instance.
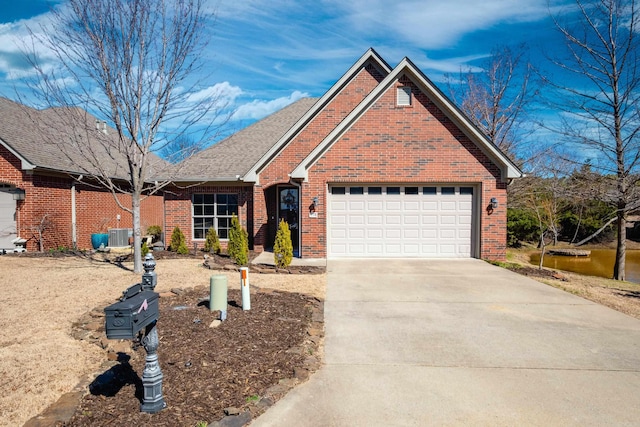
(136, 310)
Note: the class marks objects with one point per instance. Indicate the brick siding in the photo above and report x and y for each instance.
(49, 197)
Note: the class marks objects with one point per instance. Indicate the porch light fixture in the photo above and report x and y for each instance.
(494, 203)
(19, 194)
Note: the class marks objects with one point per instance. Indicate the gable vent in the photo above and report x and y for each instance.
(404, 96)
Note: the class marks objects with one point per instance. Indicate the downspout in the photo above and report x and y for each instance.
(74, 240)
(299, 186)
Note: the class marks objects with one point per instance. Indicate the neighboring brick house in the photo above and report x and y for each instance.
(382, 165)
(39, 185)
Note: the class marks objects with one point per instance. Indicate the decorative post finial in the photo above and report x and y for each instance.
(149, 277)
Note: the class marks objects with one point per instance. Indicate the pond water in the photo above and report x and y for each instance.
(600, 263)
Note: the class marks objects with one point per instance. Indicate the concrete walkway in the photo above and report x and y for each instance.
(420, 343)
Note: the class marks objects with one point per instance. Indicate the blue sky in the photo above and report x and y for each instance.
(265, 54)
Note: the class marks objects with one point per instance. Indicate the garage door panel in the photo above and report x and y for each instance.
(356, 233)
(357, 205)
(375, 219)
(375, 233)
(356, 219)
(392, 233)
(448, 219)
(464, 219)
(410, 219)
(393, 219)
(447, 249)
(429, 233)
(430, 206)
(375, 205)
(429, 219)
(393, 206)
(429, 249)
(423, 224)
(412, 206)
(375, 249)
(411, 249)
(338, 249)
(338, 219)
(411, 233)
(338, 205)
(447, 233)
(393, 249)
(338, 233)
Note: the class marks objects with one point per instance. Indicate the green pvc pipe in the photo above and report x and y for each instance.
(218, 293)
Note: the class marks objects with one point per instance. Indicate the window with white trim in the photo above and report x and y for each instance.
(213, 210)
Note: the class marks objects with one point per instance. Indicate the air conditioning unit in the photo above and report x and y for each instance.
(119, 237)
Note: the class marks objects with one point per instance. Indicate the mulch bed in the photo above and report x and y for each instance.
(240, 367)
(538, 272)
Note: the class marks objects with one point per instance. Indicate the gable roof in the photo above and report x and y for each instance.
(406, 67)
(233, 157)
(54, 139)
(369, 57)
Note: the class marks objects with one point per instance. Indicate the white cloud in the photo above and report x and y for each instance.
(436, 24)
(258, 109)
(223, 92)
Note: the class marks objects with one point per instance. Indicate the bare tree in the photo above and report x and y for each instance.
(128, 63)
(40, 228)
(600, 99)
(497, 97)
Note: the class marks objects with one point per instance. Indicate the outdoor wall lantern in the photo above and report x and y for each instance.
(312, 208)
(19, 194)
(494, 203)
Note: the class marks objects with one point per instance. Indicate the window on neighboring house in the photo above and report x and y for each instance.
(213, 210)
(404, 96)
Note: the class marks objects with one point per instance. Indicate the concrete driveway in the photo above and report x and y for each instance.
(416, 343)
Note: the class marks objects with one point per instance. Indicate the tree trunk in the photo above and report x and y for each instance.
(543, 246)
(586, 239)
(621, 247)
(137, 235)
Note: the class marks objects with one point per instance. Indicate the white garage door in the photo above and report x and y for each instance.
(7, 220)
(400, 221)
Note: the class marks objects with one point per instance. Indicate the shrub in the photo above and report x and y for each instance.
(145, 249)
(238, 242)
(522, 226)
(155, 231)
(283, 248)
(178, 241)
(212, 242)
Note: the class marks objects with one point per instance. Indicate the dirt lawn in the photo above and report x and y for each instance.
(42, 297)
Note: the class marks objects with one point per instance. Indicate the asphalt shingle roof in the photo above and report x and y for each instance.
(237, 154)
(64, 139)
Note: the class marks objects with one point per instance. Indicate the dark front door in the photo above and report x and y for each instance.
(288, 209)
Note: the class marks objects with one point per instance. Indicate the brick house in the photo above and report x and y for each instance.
(382, 165)
(41, 186)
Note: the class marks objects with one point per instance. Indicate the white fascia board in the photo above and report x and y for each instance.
(26, 164)
(509, 170)
(252, 175)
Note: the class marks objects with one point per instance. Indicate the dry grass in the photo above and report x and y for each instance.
(620, 296)
(42, 297)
